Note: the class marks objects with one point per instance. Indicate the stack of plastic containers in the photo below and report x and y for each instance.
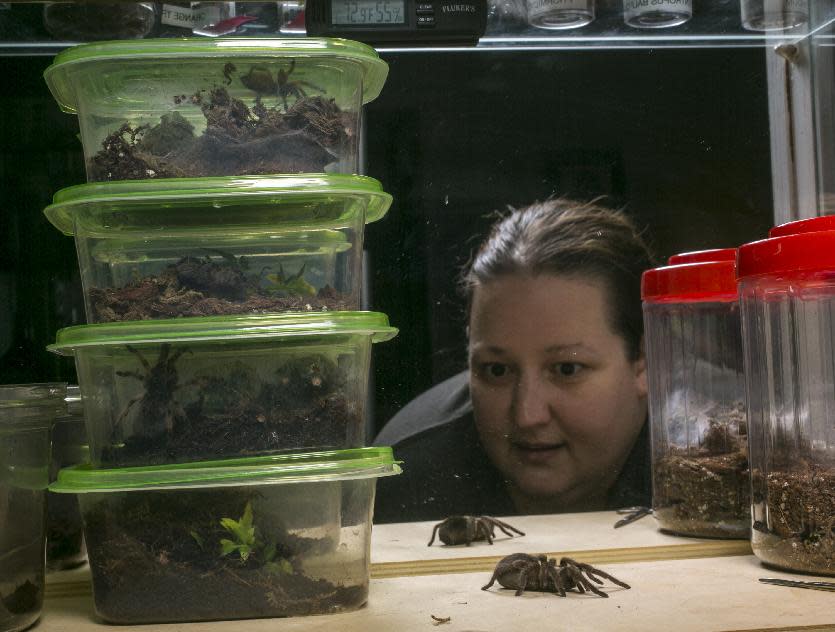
(697, 391)
(225, 366)
(787, 296)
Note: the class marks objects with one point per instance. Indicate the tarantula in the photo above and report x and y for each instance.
(156, 405)
(260, 80)
(528, 572)
(468, 529)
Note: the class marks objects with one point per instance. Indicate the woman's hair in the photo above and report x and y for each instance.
(563, 237)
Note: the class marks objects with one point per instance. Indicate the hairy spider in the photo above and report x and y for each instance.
(157, 408)
(537, 572)
(225, 279)
(468, 529)
(260, 80)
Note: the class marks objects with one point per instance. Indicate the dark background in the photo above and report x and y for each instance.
(677, 137)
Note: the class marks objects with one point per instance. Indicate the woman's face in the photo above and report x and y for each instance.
(558, 403)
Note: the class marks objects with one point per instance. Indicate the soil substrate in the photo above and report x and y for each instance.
(800, 534)
(703, 495)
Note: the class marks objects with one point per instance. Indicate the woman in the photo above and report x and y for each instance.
(551, 415)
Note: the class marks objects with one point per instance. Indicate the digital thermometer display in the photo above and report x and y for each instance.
(368, 12)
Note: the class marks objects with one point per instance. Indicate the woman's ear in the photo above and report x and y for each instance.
(640, 367)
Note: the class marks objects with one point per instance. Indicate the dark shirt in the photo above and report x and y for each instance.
(446, 470)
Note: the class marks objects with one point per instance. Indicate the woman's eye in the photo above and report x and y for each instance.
(567, 369)
(494, 370)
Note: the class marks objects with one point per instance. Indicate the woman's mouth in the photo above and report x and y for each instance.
(536, 452)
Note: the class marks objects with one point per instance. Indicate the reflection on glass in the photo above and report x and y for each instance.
(654, 14)
(773, 15)
(560, 14)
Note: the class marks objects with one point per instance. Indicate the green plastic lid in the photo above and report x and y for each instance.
(245, 200)
(224, 329)
(176, 51)
(335, 465)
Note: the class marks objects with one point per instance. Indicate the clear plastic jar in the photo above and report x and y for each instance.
(696, 396)
(787, 296)
(64, 527)
(27, 412)
(83, 22)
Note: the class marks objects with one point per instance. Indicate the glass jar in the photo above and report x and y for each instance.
(696, 396)
(64, 527)
(26, 415)
(787, 297)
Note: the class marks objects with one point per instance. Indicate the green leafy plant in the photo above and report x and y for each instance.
(243, 533)
(290, 284)
(245, 544)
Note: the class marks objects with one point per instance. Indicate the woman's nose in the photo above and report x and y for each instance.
(530, 404)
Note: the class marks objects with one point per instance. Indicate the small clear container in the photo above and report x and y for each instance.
(219, 246)
(181, 108)
(787, 296)
(64, 529)
(272, 536)
(194, 389)
(83, 21)
(696, 396)
(27, 412)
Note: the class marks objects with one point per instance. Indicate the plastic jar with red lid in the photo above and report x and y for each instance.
(787, 297)
(696, 396)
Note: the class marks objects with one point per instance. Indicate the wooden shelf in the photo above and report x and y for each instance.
(677, 583)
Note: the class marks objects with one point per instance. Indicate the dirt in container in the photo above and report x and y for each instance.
(203, 555)
(213, 285)
(232, 412)
(800, 505)
(237, 140)
(706, 491)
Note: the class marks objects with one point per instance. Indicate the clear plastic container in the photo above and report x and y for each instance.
(787, 294)
(83, 21)
(64, 529)
(193, 389)
(261, 537)
(696, 381)
(179, 108)
(27, 412)
(219, 246)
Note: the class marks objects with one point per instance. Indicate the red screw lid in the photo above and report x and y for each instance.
(792, 255)
(700, 256)
(811, 225)
(690, 282)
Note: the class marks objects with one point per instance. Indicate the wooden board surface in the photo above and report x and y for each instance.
(713, 594)
(401, 549)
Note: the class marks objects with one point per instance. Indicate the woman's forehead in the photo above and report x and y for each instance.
(542, 312)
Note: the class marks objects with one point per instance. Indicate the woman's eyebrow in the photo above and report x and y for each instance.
(569, 347)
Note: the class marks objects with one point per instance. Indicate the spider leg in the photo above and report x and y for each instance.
(580, 582)
(139, 355)
(127, 410)
(309, 85)
(492, 579)
(133, 374)
(592, 572)
(484, 528)
(523, 581)
(503, 526)
(554, 575)
(434, 532)
(177, 354)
